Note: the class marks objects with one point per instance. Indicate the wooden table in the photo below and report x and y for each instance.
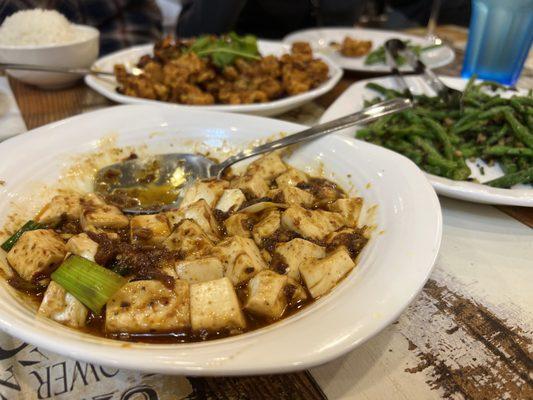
(452, 342)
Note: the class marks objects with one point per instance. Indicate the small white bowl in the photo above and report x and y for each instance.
(79, 54)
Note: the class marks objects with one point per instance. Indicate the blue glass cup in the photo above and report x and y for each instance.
(499, 39)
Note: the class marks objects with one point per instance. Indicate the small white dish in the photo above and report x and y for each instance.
(399, 203)
(107, 86)
(320, 38)
(352, 100)
(79, 54)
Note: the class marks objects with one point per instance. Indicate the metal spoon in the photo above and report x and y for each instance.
(391, 53)
(62, 70)
(428, 75)
(180, 170)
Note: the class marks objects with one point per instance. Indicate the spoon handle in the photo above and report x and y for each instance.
(63, 70)
(364, 116)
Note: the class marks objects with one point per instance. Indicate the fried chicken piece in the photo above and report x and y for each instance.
(317, 71)
(271, 87)
(270, 66)
(302, 50)
(295, 81)
(355, 48)
(189, 94)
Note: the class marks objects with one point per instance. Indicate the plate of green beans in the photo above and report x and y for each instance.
(476, 147)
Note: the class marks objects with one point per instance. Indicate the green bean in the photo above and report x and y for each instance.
(519, 108)
(519, 130)
(493, 112)
(496, 101)
(433, 156)
(525, 101)
(363, 133)
(515, 178)
(412, 130)
(522, 163)
(432, 169)
(509, 151)
(508, 165)
(441, 134)
(412, 117)
(388, 93)
(497, 136)
(441, 162)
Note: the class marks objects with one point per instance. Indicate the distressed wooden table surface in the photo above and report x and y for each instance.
(468, 335)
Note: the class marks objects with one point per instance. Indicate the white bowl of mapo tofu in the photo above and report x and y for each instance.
(238, 254)
(234, 251)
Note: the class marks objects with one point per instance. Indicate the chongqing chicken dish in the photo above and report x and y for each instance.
(238, 254)
(221, 70)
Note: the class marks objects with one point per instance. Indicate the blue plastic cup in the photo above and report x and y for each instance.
(500, 36)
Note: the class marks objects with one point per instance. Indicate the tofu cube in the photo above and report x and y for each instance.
(320, 276)
(66, 206)
(149, 229)
(293, 196)
(237, 225)
(148, 306)
(266, 294)
(230, 200)
(189, 239)
(315, 225)
(350, 209)
(295, 253)
(200, 213)
(97, 215)
(215, 306)
(62, 307)
(291, 178)
(200, 270)
(267, 167)
(82, 245)
(267, 226)
(241, 258)
(37, 252)
(209, 190)
(252, 186)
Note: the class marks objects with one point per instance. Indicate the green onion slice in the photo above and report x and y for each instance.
(87, 281)
(28, 226)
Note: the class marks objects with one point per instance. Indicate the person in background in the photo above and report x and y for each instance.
(456, 12)
(271, 19)
(122, 23)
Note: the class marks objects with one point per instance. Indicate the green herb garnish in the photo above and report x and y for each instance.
(224, 50)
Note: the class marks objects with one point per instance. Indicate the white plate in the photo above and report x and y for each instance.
(352, 100)
(320, 39)
(392, 269)
(107, 86)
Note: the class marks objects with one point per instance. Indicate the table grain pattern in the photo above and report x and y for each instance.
(432, 351)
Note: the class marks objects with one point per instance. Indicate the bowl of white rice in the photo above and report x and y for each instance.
(46, 38)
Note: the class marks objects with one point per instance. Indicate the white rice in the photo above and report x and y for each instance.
(39, 27)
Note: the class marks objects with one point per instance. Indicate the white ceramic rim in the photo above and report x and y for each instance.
(335, 76)
(461, 190)
(415, 238)
(95, 34)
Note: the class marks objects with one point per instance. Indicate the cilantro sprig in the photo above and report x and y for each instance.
(224, 50)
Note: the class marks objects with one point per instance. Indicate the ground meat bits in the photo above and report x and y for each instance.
(179, 76)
